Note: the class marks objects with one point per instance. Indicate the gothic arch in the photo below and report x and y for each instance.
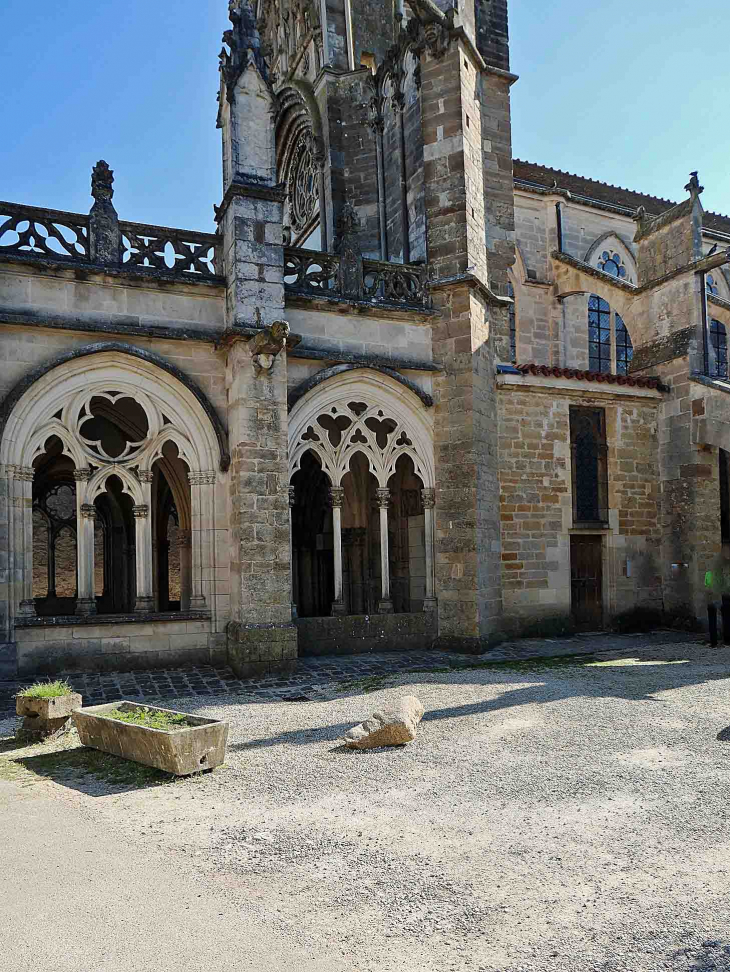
(362, 412)
(57, 404)
(612, 243)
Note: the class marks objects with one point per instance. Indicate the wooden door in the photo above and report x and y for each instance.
(586, 578)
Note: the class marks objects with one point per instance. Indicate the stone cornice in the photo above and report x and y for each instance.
(249, 190)
(472, 281)
(361, 359)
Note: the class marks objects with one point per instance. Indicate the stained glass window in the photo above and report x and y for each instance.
(512, 326)
(599, 335)
(711, 284)
(718, 342)
(624, 348)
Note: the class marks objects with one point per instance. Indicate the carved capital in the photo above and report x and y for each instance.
(383, 495)
(337, 495)
(141, 511)
(83, 475)
(89, 512)
(428, 496)
(292, 495)
(24, 473)
(205, 477)
(145, 475)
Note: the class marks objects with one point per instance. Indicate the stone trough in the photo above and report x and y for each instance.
(199, 746)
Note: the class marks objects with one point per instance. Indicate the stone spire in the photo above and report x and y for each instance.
(244, 44)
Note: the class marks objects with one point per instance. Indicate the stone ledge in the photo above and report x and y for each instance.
(361, 633)
(77, 620)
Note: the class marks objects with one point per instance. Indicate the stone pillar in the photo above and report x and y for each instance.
(337, 498)
(470, 221)
(185, 545)
(21, 498)
(292, 578)
(385, 605)
(429, 502)
(145, 601)
(201, 485)
(86, 600)
(261, 636)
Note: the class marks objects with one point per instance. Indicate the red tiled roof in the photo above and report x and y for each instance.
(544, 371)
(548, 178)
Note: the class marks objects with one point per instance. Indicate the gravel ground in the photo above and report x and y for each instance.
(555, 816)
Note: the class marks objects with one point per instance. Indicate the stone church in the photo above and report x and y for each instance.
(411, 393)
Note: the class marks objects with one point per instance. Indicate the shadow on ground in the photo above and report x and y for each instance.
(86, 770)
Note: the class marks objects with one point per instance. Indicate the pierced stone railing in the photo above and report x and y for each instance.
(34, 232)
(174, 251)
(314, 274)
(29, 232)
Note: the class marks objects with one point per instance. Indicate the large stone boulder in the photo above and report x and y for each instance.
(395, 725)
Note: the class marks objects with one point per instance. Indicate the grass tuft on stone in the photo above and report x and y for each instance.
(46, 690)
(149, 718)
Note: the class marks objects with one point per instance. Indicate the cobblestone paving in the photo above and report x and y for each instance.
(318, 677)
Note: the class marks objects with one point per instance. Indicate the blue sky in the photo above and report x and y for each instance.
(632, 93)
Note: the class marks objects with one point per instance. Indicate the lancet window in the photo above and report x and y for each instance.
(610, 349)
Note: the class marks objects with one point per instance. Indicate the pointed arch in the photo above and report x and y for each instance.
(603, 251)
(362, 411)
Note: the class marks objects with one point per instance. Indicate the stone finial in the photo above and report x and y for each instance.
(693, 187)
(105, 239)
(102, 182)
(347, 244)
(243, 43)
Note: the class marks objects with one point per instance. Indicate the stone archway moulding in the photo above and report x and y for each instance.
(377, 399)
(57, 404)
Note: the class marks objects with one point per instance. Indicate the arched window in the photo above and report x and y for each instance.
(718, 345)
(612, 262)
(601, 342)
(512, 325)
(599, 335)
(624, 348)
(711, 284)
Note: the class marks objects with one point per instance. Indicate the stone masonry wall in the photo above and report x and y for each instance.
(536, 504)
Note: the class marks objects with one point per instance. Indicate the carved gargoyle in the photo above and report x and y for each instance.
(267, 344)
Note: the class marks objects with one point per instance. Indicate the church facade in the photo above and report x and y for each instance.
(413, 392)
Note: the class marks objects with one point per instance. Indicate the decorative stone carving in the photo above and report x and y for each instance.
(141, 510)
(292, 495)
(24, 473)
(350, 271)
(337, 496)
(83, 475)
(244, 44)
(302, 180)
(267, 344)
(383, 497)
(206, 478)
(104, 236)
(89, 512)
(428, 497)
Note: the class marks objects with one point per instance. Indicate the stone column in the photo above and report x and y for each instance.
(429, 502)
(385, 605)
(201, 489)
(145, 601)
(185, 545)
(86, 600)
(337, 498)
(22, 492)
(292, 493)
